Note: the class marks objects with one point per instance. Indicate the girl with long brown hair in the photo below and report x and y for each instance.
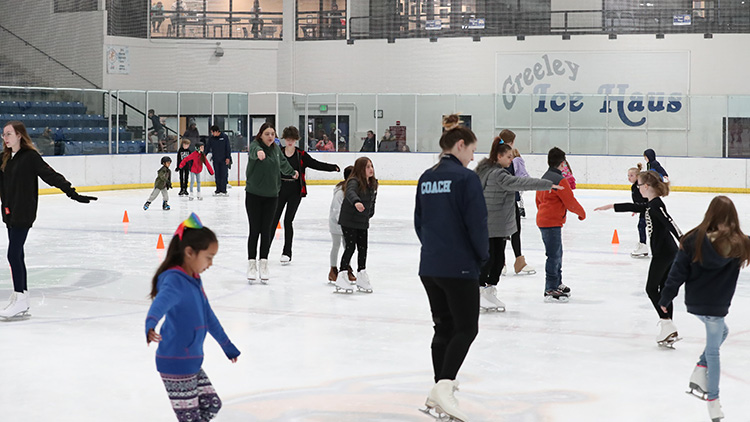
(708, 263)
(21, 168)
(360, 191)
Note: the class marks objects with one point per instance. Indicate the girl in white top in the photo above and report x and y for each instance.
(337, 237)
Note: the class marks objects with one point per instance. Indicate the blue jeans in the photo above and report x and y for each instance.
(716, 333)
(552, 238)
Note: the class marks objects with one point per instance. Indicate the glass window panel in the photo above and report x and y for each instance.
(549, 111)
(165, 106)
(668, 142)
(398, 117)
(542, 140)
(585, 111)
(513, 110)
(480, 108)
(706, 116)
(430, 111)
(588, 141)
(627, 142)
(357, 115)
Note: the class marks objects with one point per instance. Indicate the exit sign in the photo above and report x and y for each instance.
(323, 108)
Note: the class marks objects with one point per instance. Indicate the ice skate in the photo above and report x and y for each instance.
(17, 308)
(264, 273)
(699, 382)
(565, 289)
(363, 282)
(521, 268)
(522, 212)
(504, 271)
(667, 336)
(714, 410)
(488, 300)
(252, 270)
(640, 251)
(145, 206)
(442, 405)
(190, 196)
(350, 273)
(200, 197)
(555, 296)
(342, 284)
(333, 274)
(165, 206)
(285, 259)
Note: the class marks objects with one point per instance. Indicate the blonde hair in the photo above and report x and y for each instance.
(637, 169)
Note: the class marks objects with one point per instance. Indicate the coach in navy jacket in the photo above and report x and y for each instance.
(454, 236)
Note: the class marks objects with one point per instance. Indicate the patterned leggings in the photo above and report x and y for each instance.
(193, 397)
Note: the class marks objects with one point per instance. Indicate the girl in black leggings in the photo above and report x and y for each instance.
(662, 231)
(360, 190)
(293, 190)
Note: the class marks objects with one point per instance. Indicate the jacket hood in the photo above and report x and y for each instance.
(486, 165)
(650, 154)
(709, 256)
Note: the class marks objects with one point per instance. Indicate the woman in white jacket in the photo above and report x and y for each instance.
(337, 237)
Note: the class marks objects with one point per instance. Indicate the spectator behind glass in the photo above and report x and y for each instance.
(325, 144)
(156, 129)
(192, 133)
(388, 143)
(157, 16)
(369, 144)
(401, 146)
(335, 26)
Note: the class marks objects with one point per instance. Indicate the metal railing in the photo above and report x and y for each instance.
(216, 25)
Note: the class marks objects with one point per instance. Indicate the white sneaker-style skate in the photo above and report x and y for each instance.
(363, 282)
(285, 259)
(699, 382)
(264, 273)
(342, 283)
(190, 196)
(667, 336)
(17, 308)
(252, 269)
(442, 405)
(488, 300)
(714, 410)
(200, 197)
(640, 251)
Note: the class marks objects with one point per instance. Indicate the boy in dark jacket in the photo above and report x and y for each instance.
(182, 154)
(551, 209)
(161, 184)
(652, 164)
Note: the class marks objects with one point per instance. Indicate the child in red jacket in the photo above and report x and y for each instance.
(198, 158)
(551, 209)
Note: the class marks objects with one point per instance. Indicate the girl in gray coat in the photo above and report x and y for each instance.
(500, 195)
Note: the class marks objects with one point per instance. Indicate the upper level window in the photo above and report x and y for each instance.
(75, 6)
(321, 19)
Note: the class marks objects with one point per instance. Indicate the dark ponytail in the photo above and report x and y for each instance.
(197, 239)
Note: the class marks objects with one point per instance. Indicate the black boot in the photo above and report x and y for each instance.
(165, 205)
(145, 206)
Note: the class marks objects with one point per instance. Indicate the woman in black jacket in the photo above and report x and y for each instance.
(19, 190)
(360, 191)
(708, 263)
(293, 190)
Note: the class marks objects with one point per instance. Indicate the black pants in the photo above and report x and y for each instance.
(260, 210)
(354, 239)
(454, 304)
(289, 197)
(515, 239)
(657, 277)
(491, 270)
(184, 176)
(221, 174)
(16, 239)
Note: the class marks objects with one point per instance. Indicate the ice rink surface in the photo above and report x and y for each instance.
(309, 355)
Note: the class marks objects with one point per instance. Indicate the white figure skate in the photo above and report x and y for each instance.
(699, 383)
(442, 405)
(714, 410)
(342, 283)
(17, 308)
(264, 273)
(190, 196)
(285, 259)
(252, 270)
(522, 268)
(641, 251)
(667, 336)
(488, 300)
(363, 282)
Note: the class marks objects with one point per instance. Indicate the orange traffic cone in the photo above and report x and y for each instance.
(615, 239)
(160, 243)
(125, 218)
(278, 226)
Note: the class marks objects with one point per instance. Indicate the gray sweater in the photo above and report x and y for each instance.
(500, 189)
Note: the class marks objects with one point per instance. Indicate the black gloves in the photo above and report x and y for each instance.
(82, 198)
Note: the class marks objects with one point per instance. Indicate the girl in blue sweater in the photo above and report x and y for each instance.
(177, 293)
(709, 262)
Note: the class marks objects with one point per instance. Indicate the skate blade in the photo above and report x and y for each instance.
(669, 342)
(697, 392)
(22, 316)
(263, 281)
(438, 414)
(492, 309)
(343, 291)
(532, 272)
(562, 299)
(363, 290)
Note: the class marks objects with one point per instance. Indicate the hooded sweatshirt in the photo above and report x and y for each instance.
(709, 285)
(653, 164)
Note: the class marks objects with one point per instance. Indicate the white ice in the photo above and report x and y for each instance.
(311, 355)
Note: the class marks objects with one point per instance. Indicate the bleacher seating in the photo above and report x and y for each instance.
(82, 133)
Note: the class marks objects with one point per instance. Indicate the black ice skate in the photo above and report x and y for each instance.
(165, 206)
(145, 206)
(564, 289)
(555, 296)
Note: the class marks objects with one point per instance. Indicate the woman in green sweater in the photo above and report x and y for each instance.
(262, 184)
